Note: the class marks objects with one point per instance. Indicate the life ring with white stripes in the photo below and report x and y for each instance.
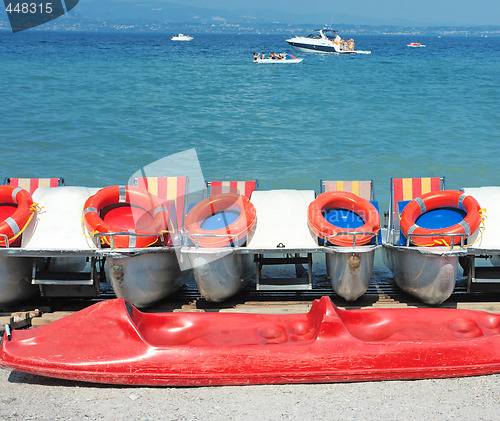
(436, 200)
(135, 197)
(13, 225)
(343, 200)
(225, 236)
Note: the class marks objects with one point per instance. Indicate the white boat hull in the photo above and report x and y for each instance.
(281, 61)
(181, 37)
(316, 48)
(323, 42)
(325, 50)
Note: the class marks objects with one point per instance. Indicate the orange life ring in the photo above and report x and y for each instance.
(12, 226)
(216, 204)
(136, 197)
(436, 200)
(343, 200)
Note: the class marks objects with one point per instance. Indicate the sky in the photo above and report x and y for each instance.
(438, 12)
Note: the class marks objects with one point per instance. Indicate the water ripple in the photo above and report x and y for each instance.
(95, 107)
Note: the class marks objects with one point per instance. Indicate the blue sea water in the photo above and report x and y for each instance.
(95, 107)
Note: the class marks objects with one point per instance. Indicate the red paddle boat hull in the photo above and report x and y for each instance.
(113, 342)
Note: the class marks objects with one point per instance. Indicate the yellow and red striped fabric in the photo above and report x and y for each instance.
(362, 189)
(167, 188)
(31, 184)
(245, 188)
(410, 188)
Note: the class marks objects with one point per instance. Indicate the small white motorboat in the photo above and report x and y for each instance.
(415, 45)
(181, 37)
(324, 41)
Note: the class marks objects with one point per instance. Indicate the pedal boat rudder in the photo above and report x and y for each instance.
(113, 342)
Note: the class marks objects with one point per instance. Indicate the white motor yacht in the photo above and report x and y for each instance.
(324, 41)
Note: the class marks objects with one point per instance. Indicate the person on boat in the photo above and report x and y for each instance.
(263, 57)
(255, 56)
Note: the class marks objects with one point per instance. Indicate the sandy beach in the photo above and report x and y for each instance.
(29, 397)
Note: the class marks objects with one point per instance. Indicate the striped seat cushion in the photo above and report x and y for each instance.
(245, 188)
(168, 189)
(31, 184)
(363, 189)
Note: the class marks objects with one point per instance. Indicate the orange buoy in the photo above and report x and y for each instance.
(13, 224)
(224, 236)
(149, 216)
(343, 200)
(435, 200)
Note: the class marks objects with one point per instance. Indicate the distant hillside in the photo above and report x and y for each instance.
(157, 15)
(128, 12)
(154, 11)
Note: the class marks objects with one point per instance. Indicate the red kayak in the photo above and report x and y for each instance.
(113, 342)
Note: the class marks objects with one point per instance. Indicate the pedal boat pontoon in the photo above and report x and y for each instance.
(347, 225)
(135, 225)
(51, 257)
(17, 210)
(213, 229)
(55, 256)
(113, 342)
(423, 248)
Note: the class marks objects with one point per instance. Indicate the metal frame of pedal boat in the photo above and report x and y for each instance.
(428, 273)
(54, 258)
(482, 264)
(63, 261)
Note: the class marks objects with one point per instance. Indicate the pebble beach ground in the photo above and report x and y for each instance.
(29, 397)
